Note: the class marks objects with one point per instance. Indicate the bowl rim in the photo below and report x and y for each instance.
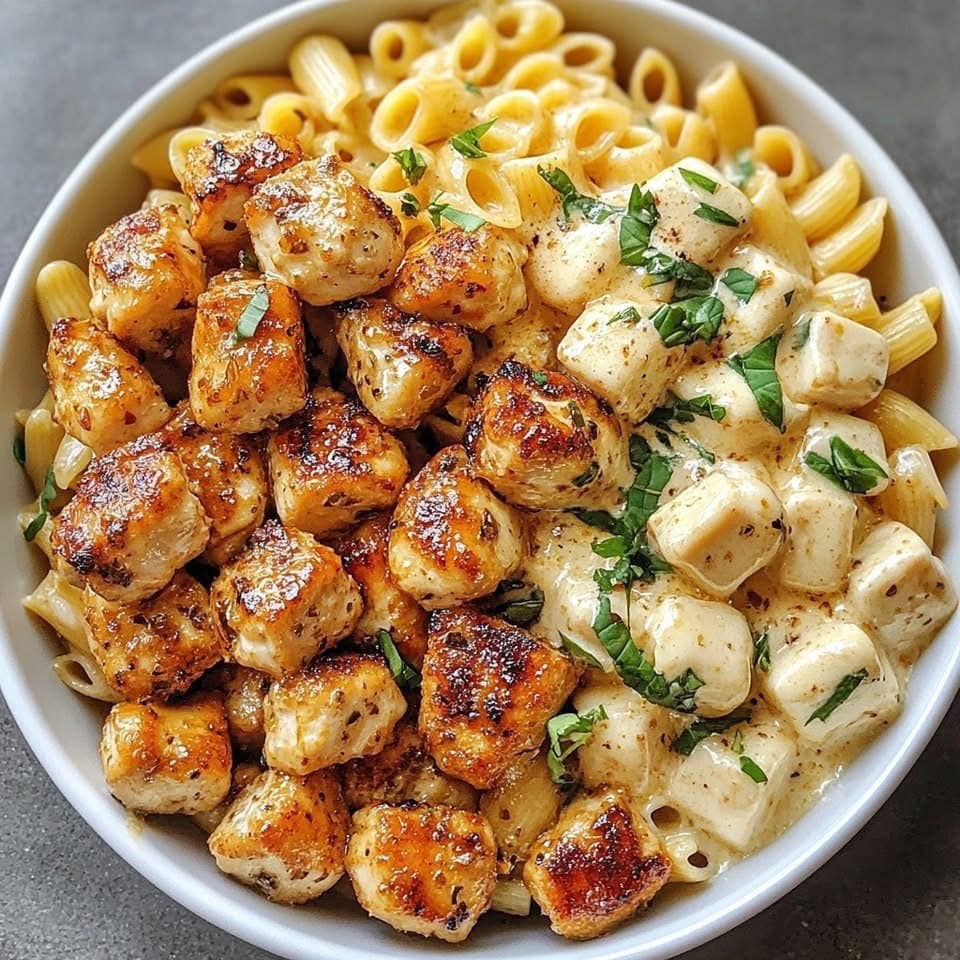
(218, 906)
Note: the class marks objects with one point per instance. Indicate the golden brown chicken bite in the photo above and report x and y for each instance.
(385, 605)
(333, 463)
(167, 758)
(240, 383)
(543, 441)
(103, 396)
(155, 647)
(324, 233)
(243, 693)
(489, 689)
(243, 775)
(227, 475)
(219, 177)
(283, 600)
(403, 770)
(474, 279)
(338, 707)
(451, 538)
(402, 366)
(427, 870)
(132, 523)
(146, 273)
(284, 836)
(597, 866)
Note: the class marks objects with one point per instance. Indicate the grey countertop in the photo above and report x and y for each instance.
(68, 68)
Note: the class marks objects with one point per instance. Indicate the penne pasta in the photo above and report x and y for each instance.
(852, 245)
(62, 290)
(905, 423)
(826, 201)
(915, 493)
(654, 82)
(724, 100)
(324, 69)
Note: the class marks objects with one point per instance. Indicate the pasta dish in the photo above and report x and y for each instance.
(469, 483)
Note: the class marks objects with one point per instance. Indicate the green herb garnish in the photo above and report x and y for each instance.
(47, 495)
(699, 180)
(19, 450)
(761, 651)
(715, 215)
(743, 285)
(412, 164)
(636, 226)
(575, 415)
(750, 767)
(572, 201)
(409, 205)
(626, 315)
(467, 142)
(520, 610)
(472, 88)
(253, 313)
(743, 168)
(847, 467)
(577, 652)
(704, 727)
(758, 367)
(803, 335)
(539, 378)
(468, 222)
(686, 411)
(842, 692)
(694, 318)
(568, 732)
(405, 676)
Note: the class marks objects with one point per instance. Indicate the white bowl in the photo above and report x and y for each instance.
(63, 730)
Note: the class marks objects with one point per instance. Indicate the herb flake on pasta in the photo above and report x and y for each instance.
(740, 283)
(572, 201)
(686, 411)
(412, 164)
(743, 168)
(19, 450)
(758, 367)
(567, 732)
(840, 695)
(47, 495)
(761, 651)
(847, 467)
(409, 205)
(467, 142)
(468, 222)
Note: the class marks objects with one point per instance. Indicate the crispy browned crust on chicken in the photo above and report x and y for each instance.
(489, 689)
(597, 866)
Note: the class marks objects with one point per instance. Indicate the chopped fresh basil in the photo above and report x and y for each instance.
(467, 142)
(572, 201)
(694, 318)
(715, 215)
(686, 411)
(567, 732)
(47, 495)
(253, 313)
(575, 415)
(626, 315)
(472, 88)
(842, 692)
(412, 164)
(752, 769)
(847, 467)
(743, 168)
(788, 297)
(468, 222)
(405, 676)
(588, 476)
(409, 205)
(743, 285)
(737, 745)
(803, 335)
(758, 367)
(636, 671)
(511, 604)
(578, 652)
(539, 378)
(699, 180)
(636, 226)
(761, 651)
(704, 727)
(19, 450)
(248, 261)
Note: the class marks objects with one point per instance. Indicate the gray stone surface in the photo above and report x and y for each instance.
(67, 69)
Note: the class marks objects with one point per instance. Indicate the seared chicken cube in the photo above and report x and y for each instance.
(489, 689)
(284, 836)
(720, 530)
(402, 366)
(154, 647)
(403, 770)
(337, 708)
(900, 588)
(474, 279)
(132, 523)
(521, 806)
(243, 694)
(385, 605)
(285, 599)
(597, 866)
(243, 775)
(227, 475)
(541, 440)
(332, 464)
(166, 758)
(427, 870)
(247, 379)
(219, 177)
(324, 233)
(146, 273)
(103, 396)
(451, 538)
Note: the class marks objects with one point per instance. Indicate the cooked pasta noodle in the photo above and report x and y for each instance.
(915, 493)
(904, 423)
(62, 290)
(725, 101)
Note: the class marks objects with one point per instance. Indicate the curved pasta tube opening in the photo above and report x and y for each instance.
(654, 81)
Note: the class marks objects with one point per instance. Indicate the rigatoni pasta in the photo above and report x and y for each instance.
(522, 459)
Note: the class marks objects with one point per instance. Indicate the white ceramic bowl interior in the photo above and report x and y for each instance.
(63, 730)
